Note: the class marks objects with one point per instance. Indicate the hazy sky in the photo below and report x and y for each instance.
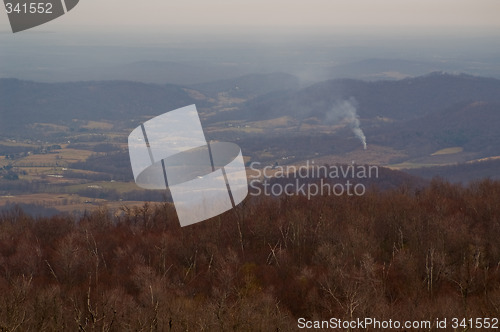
(282, 13)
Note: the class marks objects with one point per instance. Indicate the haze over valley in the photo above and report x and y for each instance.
(426, 104)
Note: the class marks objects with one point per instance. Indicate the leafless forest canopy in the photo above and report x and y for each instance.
(399, 254)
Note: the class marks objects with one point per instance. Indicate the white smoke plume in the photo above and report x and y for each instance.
(346, 111)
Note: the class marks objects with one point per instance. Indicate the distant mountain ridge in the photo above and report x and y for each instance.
(274, 95)
(471, 126)
(419, 115)
(249, 86)
(25, 102)
(401, 100)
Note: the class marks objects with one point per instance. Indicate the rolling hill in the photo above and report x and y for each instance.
(404, 99)
(25, 102)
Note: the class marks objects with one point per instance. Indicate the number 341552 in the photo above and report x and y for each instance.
(29, 8)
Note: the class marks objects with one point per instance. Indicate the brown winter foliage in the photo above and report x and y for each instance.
(399, 254)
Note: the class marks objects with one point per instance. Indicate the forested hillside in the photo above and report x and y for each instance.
(398, 254)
